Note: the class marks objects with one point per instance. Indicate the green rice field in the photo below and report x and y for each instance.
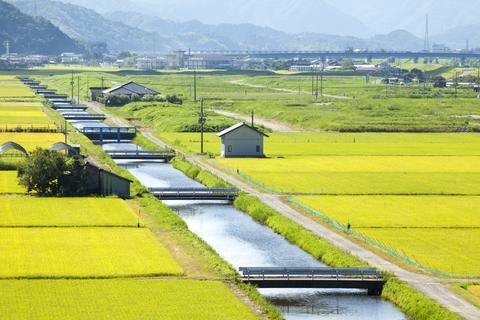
(9, 183)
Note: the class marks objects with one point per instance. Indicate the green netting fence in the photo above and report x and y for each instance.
(370, 241)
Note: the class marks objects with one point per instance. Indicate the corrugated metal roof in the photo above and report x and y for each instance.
(238, 126)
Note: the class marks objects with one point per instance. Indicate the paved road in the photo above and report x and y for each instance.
(428, 285)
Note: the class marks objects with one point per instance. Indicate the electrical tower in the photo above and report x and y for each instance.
(426, 45)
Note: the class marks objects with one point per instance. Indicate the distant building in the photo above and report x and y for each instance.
(150, 63)
(438, 47)
(366, 68)
(71, 58)
(242, 141)
(129, 89)
(208, 61)
(175, 60)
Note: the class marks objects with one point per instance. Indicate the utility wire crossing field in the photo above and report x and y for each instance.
(63, 212)
(82, 253)
(120, 300)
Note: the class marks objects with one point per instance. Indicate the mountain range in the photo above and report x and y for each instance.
(338, 17)
(126, 26)
(26, 34)
(148, 33)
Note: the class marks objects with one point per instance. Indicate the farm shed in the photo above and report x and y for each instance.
(242, 141)
(129, 89)
(106, 183)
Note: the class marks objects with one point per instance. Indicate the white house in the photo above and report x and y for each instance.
(242, 141)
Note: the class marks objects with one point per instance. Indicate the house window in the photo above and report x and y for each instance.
(229, 148)
(258, 149)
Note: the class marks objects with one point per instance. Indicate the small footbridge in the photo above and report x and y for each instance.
(141, 155)
(316, 278)
(84, 116)
(118, 134)
(194, 194)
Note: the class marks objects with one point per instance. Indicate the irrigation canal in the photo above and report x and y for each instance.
(244, 243)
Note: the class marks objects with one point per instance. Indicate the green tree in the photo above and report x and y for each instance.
(50, 173)
(439, 82)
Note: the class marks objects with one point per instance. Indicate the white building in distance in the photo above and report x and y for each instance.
(242, 141)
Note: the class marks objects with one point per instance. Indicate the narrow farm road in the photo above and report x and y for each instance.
(428, 285)
(269, 124)
(241, 83)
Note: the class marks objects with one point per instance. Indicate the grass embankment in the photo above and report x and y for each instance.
(410, 301)
(120, 300)
(469, 290)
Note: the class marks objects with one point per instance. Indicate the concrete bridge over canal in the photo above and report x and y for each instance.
(316, 278)
(194, 194)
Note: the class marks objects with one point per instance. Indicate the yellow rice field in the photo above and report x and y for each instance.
(82, 253)
(9, 183)
(363, 174)
(452, 251)
(475, 290)
(120, 300)
(30, 141)
(398, 211)
(61, 212)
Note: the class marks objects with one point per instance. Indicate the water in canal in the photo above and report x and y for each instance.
(244, 243)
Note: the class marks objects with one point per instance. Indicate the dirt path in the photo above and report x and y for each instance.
(241, 83)
(269, 124)
(428, 285)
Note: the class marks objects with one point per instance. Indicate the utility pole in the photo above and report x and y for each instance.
(102, 83)
(78, 89)
(72, 82)
(316, 86)
(195, 85)
(313, 93)
(321, 85)
(65, 130)
(456, 84)
(253, 118)
(88, 90)
(478, 83)
(201, 120)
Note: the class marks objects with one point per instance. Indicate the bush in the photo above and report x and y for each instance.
(174, 99)
(148, 98)
(49, 173)
(113, 100)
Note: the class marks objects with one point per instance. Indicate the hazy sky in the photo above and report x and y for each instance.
(345, 17)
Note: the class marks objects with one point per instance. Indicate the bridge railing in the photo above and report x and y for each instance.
(141, 152)
(310, 273)
(218, 191)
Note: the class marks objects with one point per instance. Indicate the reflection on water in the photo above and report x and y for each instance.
(243, 243)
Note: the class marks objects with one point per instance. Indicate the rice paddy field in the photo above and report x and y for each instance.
(9, 184)
(98, 244)
(83, 253)
(120, 300)
(475, 290)
(30, 141)
(65, 212)
(414, 226)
